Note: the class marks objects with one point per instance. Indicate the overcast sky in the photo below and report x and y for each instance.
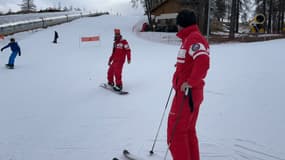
(114, 6)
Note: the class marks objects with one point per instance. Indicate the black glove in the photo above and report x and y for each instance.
(19, 53)
(1, 49)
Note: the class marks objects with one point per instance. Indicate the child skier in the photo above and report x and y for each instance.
(15, 50)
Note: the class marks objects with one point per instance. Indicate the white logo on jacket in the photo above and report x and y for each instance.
(195, 50)
(126, 46)
(120, 45)
(198, 49)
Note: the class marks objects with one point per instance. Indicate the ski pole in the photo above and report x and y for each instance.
(176, 121)
(155, 139)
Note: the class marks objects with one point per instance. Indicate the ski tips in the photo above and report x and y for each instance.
(125, 151)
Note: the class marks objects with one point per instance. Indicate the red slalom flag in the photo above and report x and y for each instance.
(90, 39)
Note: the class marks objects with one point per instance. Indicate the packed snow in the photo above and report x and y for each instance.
(52, 107)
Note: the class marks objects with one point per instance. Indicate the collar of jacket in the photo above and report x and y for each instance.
(182, 34)
(118, 40)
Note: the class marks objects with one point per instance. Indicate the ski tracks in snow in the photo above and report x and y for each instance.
(213, 149)
(238, 149)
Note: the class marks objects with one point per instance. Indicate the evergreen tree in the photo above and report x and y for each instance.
(260, 6)
(219, 9)
(27, 6)
(281, 10)
(238, 4)
(282, 15)
(273, 10)
(233, 18)
(203, 12)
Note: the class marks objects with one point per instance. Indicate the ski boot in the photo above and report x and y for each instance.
(118, 88)
(111, 84)
(10, 66)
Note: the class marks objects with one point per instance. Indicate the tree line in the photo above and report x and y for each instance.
(28, 6)
(235, 12)
(273, 11)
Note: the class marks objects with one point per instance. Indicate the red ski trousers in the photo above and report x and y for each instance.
(115, 71)
(181, 130)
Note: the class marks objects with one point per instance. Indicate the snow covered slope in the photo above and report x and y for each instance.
(52, 107)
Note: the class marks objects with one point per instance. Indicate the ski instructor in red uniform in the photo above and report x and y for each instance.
(121, 51)
(188, 81)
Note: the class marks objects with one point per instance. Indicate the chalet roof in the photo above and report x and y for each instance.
(158, 5)
(161, 3)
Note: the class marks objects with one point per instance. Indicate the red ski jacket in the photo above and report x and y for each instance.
(121, 49)
(192, 60)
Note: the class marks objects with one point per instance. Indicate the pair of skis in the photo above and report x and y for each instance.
(128, 156)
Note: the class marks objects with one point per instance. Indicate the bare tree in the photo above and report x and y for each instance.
(27, 6)
(147, 6)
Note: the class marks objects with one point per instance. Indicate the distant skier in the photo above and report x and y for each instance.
(55, 37)
(121, 50)
(191, 69)
(15, 50)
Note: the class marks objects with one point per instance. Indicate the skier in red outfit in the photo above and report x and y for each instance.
(121, 51)
(191, 69)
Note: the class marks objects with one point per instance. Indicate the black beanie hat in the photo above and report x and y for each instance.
(186, 18)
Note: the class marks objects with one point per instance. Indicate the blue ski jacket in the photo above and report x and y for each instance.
(14, 47)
